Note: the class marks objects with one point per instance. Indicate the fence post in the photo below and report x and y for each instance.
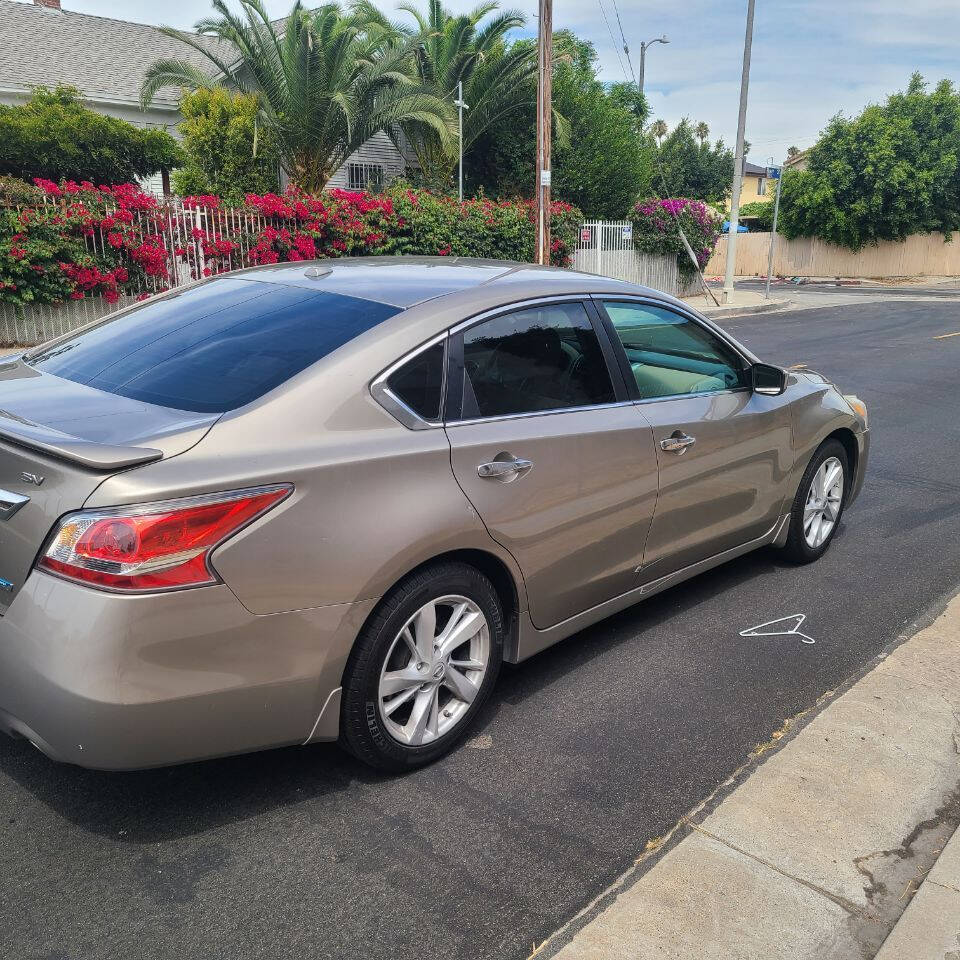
(600, 224)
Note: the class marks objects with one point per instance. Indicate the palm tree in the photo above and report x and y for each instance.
(702, 131)
(326, 82)
(659, 129)
(449, 49)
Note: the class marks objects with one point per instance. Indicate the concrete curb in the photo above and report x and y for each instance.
(718, 313)
(817, 854)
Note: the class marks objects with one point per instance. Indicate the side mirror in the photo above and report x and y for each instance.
(769, 380)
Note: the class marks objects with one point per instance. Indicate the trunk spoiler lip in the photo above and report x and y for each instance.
(63, 446)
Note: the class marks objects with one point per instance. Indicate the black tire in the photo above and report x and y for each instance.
(796, 549)
(362, 729)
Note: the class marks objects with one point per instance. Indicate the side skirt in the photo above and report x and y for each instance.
(532, 640)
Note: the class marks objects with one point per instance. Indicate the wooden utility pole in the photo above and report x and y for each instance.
(544, 119)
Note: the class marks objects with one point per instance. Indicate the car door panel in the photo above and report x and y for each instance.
(577, 520)
(725, 489)
(724, 451)
(536, 392)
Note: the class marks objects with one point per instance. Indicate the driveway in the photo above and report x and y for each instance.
(583, 755)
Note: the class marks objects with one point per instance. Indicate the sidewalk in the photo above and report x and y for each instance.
(818, 852)
(742, 301)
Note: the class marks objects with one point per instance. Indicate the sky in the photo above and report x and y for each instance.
(811, 58)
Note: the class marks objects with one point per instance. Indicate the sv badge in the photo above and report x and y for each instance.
(33, 478)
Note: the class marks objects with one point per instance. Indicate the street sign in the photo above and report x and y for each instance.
(773, 173)
(585, 235)
(627, 233)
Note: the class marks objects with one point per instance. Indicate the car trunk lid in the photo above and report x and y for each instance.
(59, 440)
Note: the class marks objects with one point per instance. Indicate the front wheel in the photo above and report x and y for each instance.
(422, 667)
(818, 505)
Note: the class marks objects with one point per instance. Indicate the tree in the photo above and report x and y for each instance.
(793, 152)
(600, 160)
(890, 172)
(691, 169)
(469, 49)
(659, 129)
(703, 132)
(326, 82)
(224, 151)
(54, 136)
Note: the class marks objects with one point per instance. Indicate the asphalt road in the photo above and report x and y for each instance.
(585, 752)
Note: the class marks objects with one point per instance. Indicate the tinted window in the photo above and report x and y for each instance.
(419, 383)
(672, 355)
(213, 347)
(543, 358)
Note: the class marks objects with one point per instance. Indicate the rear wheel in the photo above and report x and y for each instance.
(818, 505)
(422, 667)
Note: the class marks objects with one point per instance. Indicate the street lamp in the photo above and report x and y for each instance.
(643, 54)
(461, 106)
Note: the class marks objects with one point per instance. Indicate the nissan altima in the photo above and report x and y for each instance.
(317, 502)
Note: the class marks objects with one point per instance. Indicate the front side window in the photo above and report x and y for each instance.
(542, 358)
(671, 355)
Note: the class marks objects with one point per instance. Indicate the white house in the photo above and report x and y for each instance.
(106, 59)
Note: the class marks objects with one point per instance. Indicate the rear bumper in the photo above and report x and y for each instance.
(116, 682)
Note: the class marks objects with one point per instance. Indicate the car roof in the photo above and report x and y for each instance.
(406, 281)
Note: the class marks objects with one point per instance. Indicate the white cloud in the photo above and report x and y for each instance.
(811, 58)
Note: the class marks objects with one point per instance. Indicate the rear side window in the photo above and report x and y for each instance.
(541, 358)
(419, 383)
(214, 347)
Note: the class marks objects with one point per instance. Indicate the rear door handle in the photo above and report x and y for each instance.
(504, 469)
(677, 442)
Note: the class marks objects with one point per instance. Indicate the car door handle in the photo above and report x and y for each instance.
(504, 469)
(677, 442)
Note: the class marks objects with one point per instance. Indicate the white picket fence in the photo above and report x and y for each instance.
(606, 247)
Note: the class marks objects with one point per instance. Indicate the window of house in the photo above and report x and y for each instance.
(365, 176)
(541, 358)
(761, 187)
(670, 354)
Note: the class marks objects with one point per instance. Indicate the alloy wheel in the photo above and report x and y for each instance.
(433, 670)
(824, 498)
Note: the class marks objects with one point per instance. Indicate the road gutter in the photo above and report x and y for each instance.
(817, 852)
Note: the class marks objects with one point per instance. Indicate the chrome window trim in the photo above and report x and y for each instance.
(687, 396)
(381, 392)
(704, 322)
(540, 413)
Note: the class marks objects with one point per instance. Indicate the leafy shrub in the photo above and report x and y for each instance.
(761, 212)
(655, 229)
(53, 135)
(220, 134)
(84, 240)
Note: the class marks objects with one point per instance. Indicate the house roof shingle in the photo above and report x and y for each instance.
(102, 57)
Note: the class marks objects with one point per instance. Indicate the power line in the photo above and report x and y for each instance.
(613, 40)
(626, 49)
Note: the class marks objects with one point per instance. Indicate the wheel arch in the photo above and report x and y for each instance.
(848, 441)
(507, 583)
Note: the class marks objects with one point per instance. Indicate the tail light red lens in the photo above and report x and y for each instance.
(154, 546)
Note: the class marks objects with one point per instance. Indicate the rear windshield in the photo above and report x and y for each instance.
(214, 347)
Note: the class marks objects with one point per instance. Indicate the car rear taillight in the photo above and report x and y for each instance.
(153, 546)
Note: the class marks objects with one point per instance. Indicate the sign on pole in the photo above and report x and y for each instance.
(773, 173)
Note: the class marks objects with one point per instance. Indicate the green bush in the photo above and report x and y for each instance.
(762, 211)
(219, 132)
(890, 172)
(54, 136)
